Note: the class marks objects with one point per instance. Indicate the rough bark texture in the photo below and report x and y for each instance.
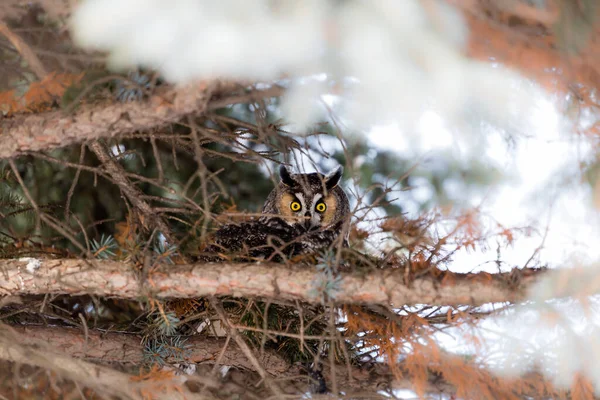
(106, 380)
(113, 347)
(45, 131)
(265, 280)
(24, 344)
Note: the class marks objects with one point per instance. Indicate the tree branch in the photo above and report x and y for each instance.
(525, 37)
(98, 377)
(116, 171)
(54, 129)
(265, 280)
(126, 348)
(25, 51)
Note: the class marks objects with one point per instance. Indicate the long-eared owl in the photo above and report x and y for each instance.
(304, 213)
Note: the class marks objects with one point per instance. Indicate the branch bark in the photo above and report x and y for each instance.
(45, 131)
(98, 377)
(41, 352)
(265, 280)
(126, 348)
(110, 348)
(76, 351)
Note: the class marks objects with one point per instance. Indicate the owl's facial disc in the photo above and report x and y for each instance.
(305, 214)
(309, 201)
(314, 213)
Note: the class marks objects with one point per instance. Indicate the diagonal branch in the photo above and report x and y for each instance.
(102, 378)
(54, 129)
(24, 50)
(134, 195)
(265, 280)
(245, 349)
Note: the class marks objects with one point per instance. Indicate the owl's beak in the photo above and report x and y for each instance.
(309, 224)
(307, 221)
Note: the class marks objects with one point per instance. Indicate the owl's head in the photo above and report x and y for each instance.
(312, 201)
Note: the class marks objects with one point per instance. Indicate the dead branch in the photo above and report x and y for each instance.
(45, 131)
(245, 349)
(265, 280)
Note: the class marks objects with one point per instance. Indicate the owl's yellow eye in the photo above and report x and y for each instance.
(295, 206)
(321, 207)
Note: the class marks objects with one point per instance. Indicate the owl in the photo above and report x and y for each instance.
(304, 213)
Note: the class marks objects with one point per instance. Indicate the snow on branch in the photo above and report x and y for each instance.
(45, 131)
(265, 280)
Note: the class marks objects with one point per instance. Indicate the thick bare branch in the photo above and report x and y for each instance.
(111, 347)
(125, 348)
(50, 130)
(265, 280)
(105, 379)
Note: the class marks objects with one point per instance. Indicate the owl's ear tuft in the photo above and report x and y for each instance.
(286, 178)
(333, 178)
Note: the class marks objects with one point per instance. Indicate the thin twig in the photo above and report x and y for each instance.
(25, 51)
(216, 304)
(133, 194)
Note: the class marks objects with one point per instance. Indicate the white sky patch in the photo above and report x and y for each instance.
(432, 132)
(543, 187)
(533, 192)
(117, 150)
(389, 137)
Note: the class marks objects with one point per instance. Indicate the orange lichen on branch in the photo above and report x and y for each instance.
(39, 97)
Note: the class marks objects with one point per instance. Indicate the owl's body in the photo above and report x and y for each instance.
(305, 213)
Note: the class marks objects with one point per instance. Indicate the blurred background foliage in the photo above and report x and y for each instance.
(384, 177)
(240, 162)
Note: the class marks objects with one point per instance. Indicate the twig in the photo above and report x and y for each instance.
(133, 193)
(25, 51)
(74, 183)
(33, 203)
(216, 304)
